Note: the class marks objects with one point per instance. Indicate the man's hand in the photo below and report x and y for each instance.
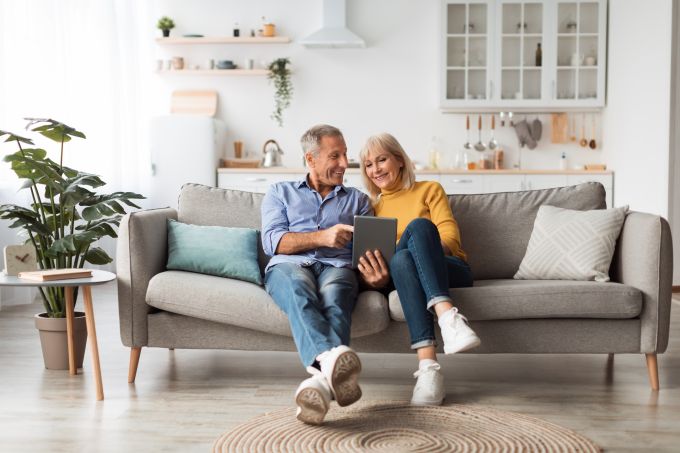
(337, 236)
(373, 269)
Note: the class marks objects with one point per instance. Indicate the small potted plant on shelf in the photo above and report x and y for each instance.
(63, 221)
(279, 73)
(165, 24)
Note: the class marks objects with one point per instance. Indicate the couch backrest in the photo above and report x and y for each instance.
(495, 228)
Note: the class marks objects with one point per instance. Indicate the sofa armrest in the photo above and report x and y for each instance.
(644, 260)
(141, 253)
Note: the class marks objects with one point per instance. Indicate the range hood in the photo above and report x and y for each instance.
(334, 32)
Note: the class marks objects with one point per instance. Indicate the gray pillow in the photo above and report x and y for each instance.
(572, 245)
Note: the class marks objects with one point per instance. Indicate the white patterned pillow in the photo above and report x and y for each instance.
(571, 245)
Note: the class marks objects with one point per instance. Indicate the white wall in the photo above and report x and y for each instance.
(636, 120)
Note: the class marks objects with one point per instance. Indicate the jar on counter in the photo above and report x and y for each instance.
(498, 159)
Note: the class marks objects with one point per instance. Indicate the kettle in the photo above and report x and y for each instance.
(272, 154)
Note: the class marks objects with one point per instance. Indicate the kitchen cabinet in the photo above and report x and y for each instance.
(489, 55)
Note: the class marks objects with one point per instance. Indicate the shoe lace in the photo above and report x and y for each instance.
(427, 369)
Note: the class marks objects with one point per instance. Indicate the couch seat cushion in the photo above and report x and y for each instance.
(247, 305)
(522, 299)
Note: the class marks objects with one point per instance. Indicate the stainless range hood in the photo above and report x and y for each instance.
(334, 32)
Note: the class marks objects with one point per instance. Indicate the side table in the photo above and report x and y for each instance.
(98, 278)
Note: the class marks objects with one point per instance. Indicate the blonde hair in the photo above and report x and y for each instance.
(386, 143)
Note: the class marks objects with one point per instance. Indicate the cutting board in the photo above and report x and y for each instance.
(194, 102)
(560, 128)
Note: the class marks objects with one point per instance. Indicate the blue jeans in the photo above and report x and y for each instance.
(422, 275)
(318, 300)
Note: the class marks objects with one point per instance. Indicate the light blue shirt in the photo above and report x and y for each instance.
(294, 207)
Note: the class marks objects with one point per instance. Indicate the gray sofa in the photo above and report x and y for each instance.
(174, 309)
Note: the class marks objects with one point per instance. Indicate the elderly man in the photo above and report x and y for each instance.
(307, 229)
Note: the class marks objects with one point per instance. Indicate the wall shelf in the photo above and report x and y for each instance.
(216, 72)
(224, 40)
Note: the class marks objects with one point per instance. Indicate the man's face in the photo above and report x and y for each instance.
(328, 167)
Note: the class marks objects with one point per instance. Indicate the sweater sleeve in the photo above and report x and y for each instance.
(442, 217)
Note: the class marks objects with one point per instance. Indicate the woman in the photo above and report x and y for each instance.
(427, 262)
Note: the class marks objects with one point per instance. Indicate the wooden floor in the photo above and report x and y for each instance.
(183, 400)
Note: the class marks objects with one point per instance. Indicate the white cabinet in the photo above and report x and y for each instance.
(253, 181)
(490, 54)
(503, 183)
(462, 183)
(538, 182)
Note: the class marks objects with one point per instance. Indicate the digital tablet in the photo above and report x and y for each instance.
(371, 233)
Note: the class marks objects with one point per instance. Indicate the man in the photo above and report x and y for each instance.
(307, 229)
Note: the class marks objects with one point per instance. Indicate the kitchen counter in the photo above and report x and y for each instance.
(511, 171)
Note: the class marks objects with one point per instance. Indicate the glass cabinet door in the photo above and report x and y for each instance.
(578, 44)
(467, 49)
(521, 50)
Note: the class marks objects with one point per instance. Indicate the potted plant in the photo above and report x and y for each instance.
(66, 216)
(165, 24)
(279, 73)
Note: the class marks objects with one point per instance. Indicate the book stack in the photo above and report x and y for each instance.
(55, 274)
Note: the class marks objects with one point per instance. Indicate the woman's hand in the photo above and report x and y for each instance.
(373, 269)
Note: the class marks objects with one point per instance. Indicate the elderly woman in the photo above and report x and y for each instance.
(427, 262)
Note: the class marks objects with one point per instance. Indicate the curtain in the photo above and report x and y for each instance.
(86, 63)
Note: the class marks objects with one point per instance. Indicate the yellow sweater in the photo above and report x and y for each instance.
(425, 199)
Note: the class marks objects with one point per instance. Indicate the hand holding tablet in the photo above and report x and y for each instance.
(373, 233)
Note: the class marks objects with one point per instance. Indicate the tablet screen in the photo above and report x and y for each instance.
(371, 233)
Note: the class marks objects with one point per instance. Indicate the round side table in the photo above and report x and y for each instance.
(98, 278)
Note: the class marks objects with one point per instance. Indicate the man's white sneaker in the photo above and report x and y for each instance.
(456, 333)
(429, 389)
(313, 398)
(341, 367)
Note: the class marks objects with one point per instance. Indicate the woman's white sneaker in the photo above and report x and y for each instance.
(429, 389)
(456, 333)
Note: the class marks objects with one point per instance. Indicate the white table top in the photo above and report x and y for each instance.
(98, 278)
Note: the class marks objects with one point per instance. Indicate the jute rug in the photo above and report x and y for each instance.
(399, 427)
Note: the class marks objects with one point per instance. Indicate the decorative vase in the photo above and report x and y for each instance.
(166, 33)
(54, 341)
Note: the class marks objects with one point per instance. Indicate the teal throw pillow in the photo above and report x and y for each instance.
(214, 250)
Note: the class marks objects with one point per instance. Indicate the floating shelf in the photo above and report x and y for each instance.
(225, 40)
(216, 72)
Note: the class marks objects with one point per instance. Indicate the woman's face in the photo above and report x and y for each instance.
(383, 169)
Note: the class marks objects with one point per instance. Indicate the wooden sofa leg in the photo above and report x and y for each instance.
(653, 371)
(134, 361)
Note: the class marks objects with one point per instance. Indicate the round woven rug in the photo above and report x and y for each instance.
(390, 427)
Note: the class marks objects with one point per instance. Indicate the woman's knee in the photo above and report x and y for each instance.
(401, 262)
(421, 226)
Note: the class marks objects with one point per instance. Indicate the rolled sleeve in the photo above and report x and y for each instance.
(274, 221)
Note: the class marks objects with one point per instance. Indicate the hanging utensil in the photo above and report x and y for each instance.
(593, 144)
(583, 142)
(468, 144)
(493, 144)
(510, 119)
(502, 119)
(572, 127)
(479, 146)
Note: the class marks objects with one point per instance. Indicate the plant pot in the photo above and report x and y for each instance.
(166, 33)
(54, 341)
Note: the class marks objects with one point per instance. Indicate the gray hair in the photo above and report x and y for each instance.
(311, 140)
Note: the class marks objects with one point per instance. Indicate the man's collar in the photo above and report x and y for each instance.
(305, 183)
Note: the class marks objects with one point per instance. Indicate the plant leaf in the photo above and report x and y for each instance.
(97, 255)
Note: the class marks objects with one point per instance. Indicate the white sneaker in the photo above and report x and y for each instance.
(313, 398)
(457, 335)
(429, 389)
(341, 367)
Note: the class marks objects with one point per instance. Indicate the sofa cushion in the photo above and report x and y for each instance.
(495, 228)
(572, 245)
(203, 205)
(247, 305)
(214, 250)
(525, 299)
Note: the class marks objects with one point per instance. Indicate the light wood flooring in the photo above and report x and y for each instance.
(183, 399)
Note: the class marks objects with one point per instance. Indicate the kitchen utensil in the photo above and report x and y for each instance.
(536, 129)
(572, 127)
(583, 142)
(502, 119)
(272, 154)
(593, 144)
(468, 144)
(480, 146)
(559, 131)
(493, 144)
(510, 119)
